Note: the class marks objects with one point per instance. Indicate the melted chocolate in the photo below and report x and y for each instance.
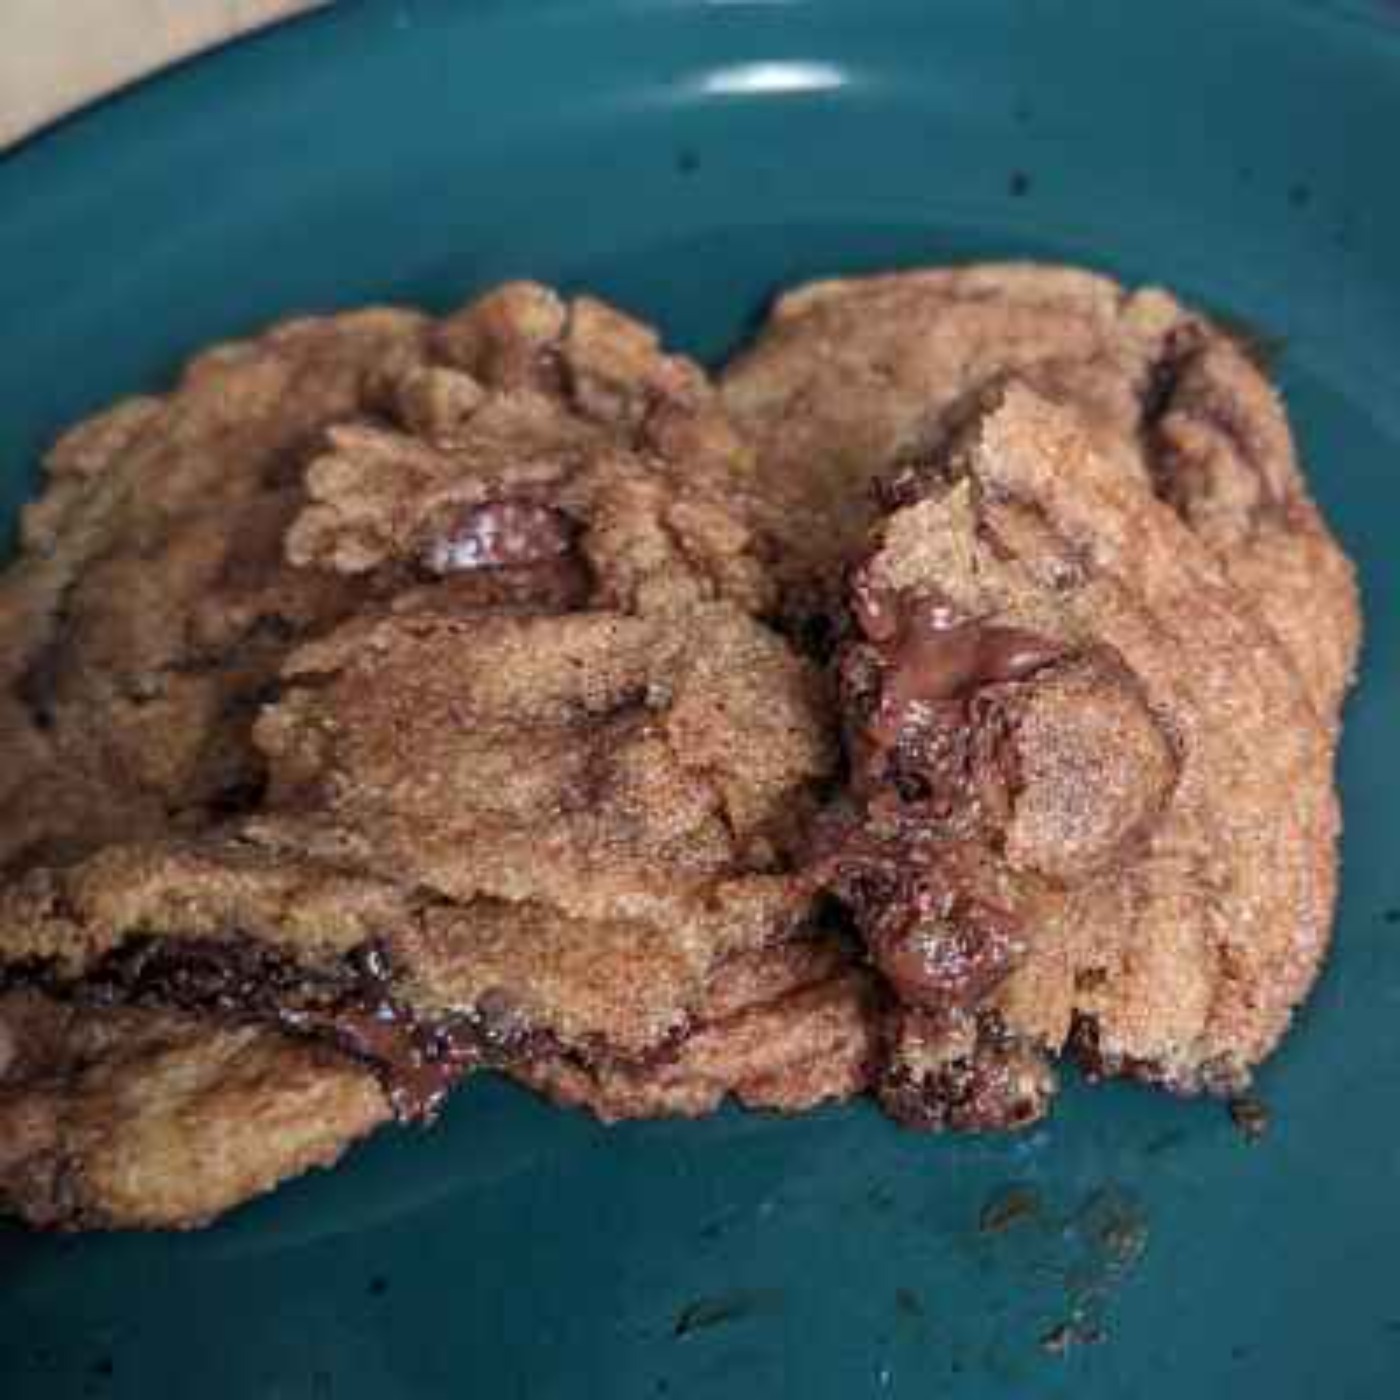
(951, 954)
(502, 535)
(933, 770)
(928, 654)
(928, 919)
(348, 1003)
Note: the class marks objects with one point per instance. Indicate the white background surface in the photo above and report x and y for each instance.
(56, 55)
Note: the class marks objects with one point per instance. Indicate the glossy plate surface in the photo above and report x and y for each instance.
(685, 159)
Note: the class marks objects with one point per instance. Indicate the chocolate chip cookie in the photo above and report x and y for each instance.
(952, 692)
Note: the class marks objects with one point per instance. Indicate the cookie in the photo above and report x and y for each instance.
(401, 698)
(128, 1118)
(1091, 807)
(849, 377)
(521, 791)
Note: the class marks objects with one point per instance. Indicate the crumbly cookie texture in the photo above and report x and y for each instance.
(144, 1119)
(151, 604)
(782, 1029)
(1092, 807)
(516, 785)
(849, 378)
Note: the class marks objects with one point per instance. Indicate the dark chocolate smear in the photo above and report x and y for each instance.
(929, 653)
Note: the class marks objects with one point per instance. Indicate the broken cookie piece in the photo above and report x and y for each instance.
(1089, 793)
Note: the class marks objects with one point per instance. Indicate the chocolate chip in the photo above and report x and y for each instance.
(954, 958)
(348, 1003)
(501, 535)
(239, 798)
(994, 1087)
(37, 685)
(922, 653)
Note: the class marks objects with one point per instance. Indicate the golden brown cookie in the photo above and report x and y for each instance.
(124, 1118)
(784, 1028)
(121, 1117)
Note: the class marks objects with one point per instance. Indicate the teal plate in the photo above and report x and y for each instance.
(685, 159)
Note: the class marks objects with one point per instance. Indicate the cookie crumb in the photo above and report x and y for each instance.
(1008, 1208)
(1250, 1116)
(907, 1303)
(722, 1309)
(1061, 1338)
